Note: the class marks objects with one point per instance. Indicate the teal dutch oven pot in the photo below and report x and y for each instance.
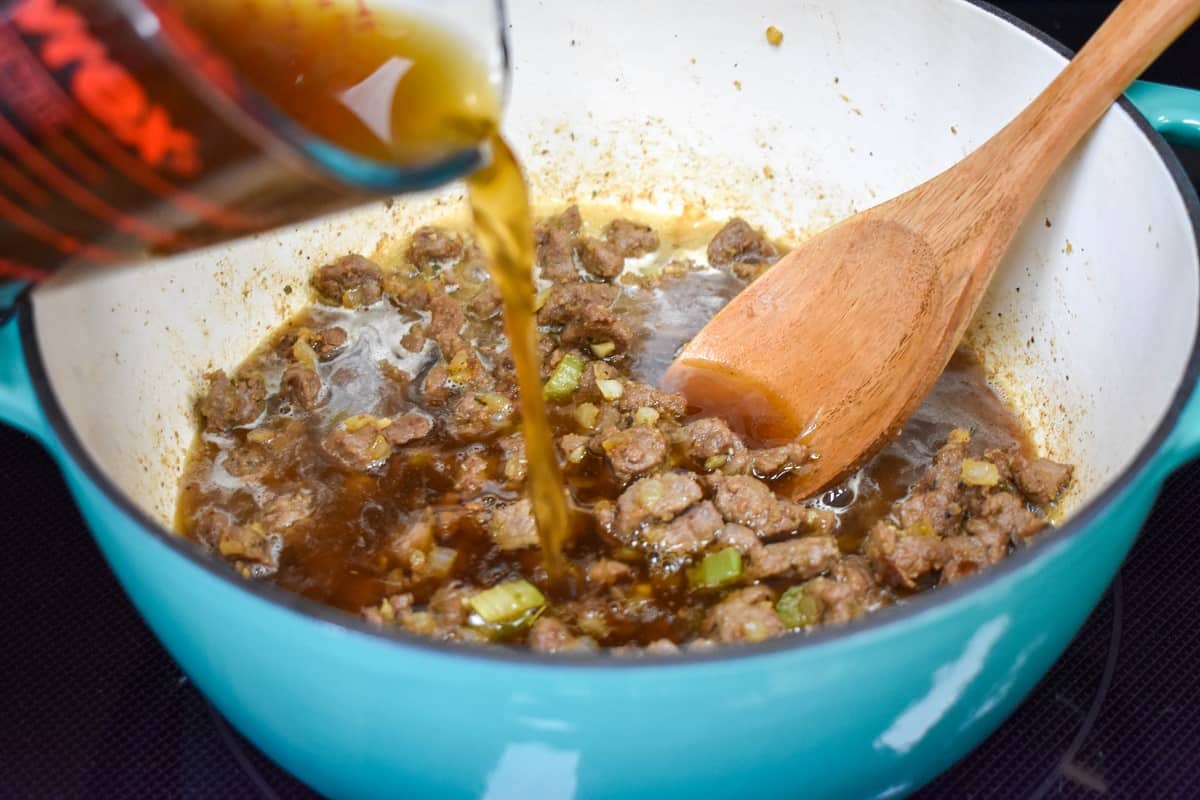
(1090, 330)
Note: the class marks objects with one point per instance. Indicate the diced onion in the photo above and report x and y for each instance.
(357, 422)
(976, 472)
(610, 389)
(586, 415)
(604, 349)
(645, 415)
(441, 561)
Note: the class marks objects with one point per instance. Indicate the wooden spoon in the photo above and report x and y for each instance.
(846, 334)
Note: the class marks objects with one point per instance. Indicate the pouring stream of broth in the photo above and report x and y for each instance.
(395, 88)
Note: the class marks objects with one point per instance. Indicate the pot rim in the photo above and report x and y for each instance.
(922, 604)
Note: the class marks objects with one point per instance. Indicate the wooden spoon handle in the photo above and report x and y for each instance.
(1044, 133)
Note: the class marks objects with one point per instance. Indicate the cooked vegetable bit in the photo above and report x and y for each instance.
(717, 569)
(564, 380)
(506, 602)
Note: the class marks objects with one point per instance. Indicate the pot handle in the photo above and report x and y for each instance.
(18, 401)
(1174, 111)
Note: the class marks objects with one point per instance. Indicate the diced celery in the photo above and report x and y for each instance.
(564, 380)
(797, 608)
(506, 602)
(717, 569)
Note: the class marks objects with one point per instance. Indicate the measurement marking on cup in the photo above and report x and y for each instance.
(38, 89)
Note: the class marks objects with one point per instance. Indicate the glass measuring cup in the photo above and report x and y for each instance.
(131, 128)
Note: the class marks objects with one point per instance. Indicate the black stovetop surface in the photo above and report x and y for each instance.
(91, 705)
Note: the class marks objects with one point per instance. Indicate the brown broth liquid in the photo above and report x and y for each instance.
(330, 67)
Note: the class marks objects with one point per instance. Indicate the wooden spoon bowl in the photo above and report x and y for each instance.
(843, 337)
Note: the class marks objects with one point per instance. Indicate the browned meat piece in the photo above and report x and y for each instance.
(568, 301)
(941, 509)
(416, 537)
(247, 461)
(556, 254)
(631, 238)
(569, 220)
(773, 461)
(387, 612)
(302, 385)
(556, 244)
(549, 635)
(657, 499)
(513, 527)
(595, 325)
(227, 404)
(476, 417)
(411, 292)
(820, 521)
(846, 595)
(747, 615)
(248, 543)
(413, 339)
(1004, 519)
(328, 342)
(445, 326)
(599, 258)
(945, 474)
(433, 247)
(739, 536)
(350, 281)
(848, 592)
(640, 395)
(436, 386)
(449, 605)
(688, 533)
(407, 428)
(473, 473)
(486, 304)
(357, 444)
(899, 558)
(209, 524)
(804, 557)
(285, 510)
(512, 457)
(965, 555)
(741, 247)
(394, 375)
(704, 438)
(750, 502)
(607, 571)
(635, 450)
(1040, 479)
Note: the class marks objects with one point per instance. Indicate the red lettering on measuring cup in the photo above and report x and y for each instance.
(106, 89)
